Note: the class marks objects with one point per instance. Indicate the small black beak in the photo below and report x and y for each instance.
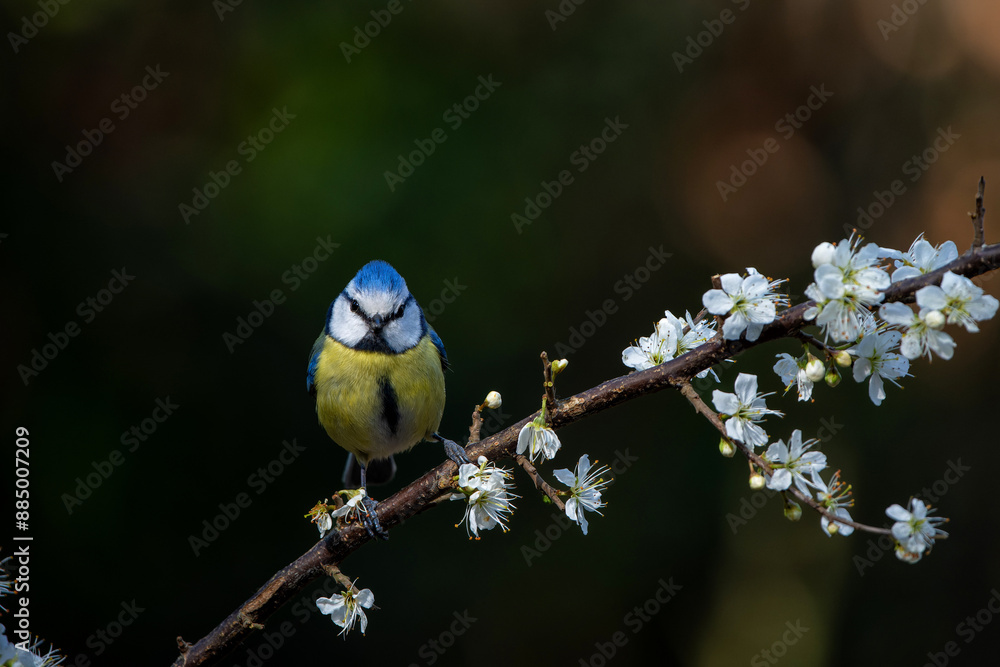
(377, 322)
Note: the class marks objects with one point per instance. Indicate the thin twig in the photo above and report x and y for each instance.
(817, 343)
(978, 218)
(477, 425)
(717, 284)
(550, 389)
(699, 405)
(345, 582)
(540, 483)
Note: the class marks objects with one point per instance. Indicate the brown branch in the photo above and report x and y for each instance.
(540, 483)
(429, 489)
(978, 217)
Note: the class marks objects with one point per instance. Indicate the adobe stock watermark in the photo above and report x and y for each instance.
(779, 649)
(131, 441)
(223, 7)
(563, 11)
(967, 630)
(786, 126)
(581, 158)
(30, 25)
(451, 291)
(294, 276)
(635, 620)
(275, 635)
(915, 167)
(454, 116)
(249, 149)
(561, 523)
(121, 107)
(879, 547)
(432, 650)
(626, 287)
(696, 44)
(363, 36)
(101, 639)
(750, 507)
(898, 17)
(88, 310)
(257, 481)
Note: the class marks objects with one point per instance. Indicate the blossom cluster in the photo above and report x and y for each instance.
(858, 329)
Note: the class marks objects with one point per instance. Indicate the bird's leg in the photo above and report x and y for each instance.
(369, 519)
(452, 449)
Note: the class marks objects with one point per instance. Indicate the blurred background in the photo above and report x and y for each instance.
(190, 184)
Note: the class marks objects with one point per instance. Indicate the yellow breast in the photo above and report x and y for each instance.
(375, 404)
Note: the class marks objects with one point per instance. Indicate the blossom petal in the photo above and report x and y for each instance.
(897, 512)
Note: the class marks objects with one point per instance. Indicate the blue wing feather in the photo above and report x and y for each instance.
(313, 362)
(440, 348)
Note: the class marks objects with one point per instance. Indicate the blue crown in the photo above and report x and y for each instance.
(379, 276)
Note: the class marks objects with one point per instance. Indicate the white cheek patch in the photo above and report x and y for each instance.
(403, 333)
(345, 326)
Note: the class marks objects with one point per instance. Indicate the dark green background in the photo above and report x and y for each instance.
(323, 176)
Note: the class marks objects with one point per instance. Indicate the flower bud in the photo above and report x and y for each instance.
(833, 378)
(756, 481)
(823, 254)
(815, 369)
(558, 366)
(793, 511)
(934, 319)
(843, 359)
(726, 448)
(493, 400)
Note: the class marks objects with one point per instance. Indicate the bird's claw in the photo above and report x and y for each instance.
(369, 519)
(454, 451)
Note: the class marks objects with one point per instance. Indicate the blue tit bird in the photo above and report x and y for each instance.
(377, 372)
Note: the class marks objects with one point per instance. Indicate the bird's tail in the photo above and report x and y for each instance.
(378, 472)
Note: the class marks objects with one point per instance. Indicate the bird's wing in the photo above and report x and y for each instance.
(440, 347)
(313, 362)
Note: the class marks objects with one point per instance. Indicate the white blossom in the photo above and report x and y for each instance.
(792, 462)
(791, 373)
(877, 360)
(749, 302)
(652, 351)
(922, 258)
(489, 500)
(347, 608)
(537, 438)
(836, 498)
(585, 490)
(844, 287)
(478, 475)
(914, 530)
(958, 298)
(745, 408)
(920, 338)
(11, 655)
(672, 337)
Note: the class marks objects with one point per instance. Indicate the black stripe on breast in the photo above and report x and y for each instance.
(390, 406)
